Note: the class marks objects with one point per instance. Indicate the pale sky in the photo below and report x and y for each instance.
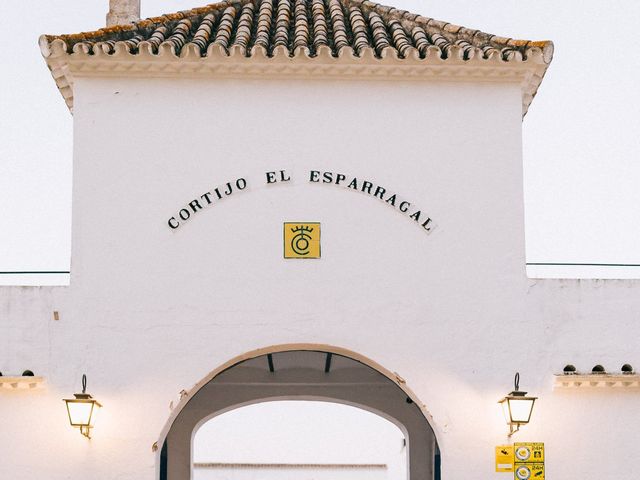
(581, 148)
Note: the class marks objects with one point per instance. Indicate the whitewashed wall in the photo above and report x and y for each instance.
(150, 310)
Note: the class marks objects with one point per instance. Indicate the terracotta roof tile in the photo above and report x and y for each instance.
(293, 24)
(298, 27)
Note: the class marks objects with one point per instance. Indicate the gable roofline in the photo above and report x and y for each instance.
(300, 38)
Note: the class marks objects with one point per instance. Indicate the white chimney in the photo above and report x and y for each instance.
(123, 11)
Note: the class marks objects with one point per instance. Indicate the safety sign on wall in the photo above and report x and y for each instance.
(525, 460)
(529, 471)
(504, 458)
(528, 452)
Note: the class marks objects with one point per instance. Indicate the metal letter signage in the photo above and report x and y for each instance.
(375, 191)
(273, 178)
(301, 240)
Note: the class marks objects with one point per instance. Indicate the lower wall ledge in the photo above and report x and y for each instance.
(22, 383)
(292, 466)
(563, 382)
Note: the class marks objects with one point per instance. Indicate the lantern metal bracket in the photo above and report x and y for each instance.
(86, 431)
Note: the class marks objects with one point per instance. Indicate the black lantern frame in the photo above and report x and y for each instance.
(82, 410)
(517, 407)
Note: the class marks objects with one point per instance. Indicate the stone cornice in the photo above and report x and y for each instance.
(460, 66)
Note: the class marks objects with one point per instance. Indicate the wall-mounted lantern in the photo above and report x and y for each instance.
(82, 410)
(517, 407)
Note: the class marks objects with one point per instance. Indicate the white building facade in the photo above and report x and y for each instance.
(197, 136)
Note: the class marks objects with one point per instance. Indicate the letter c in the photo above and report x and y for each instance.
(173, 219)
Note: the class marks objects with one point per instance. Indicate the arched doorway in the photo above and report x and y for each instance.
(300, 372)
(299, 440)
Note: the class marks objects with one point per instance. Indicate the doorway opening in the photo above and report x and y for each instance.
(265, 384)
(299, 440)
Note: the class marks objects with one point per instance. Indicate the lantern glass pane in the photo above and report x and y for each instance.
(94, 414)
(505, 411)
(80, 412)
(521, 409)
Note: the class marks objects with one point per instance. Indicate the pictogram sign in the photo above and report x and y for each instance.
(301, 240)
(525, 460)
(504, 458)
(529, 452)
(529, 471)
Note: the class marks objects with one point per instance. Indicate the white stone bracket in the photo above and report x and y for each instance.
(21, 383)
(599, 381)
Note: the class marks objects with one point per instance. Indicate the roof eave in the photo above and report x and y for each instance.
(219, 62)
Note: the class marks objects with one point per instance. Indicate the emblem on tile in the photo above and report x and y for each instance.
(301, 240)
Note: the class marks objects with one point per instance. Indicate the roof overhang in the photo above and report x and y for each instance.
(66, 67)
(336, 39)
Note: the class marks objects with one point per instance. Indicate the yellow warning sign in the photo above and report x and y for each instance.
(301, 240)
(529, 471)
(504, 458)
(529, 452)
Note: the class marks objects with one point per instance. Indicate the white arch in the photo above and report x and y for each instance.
(310, 347)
